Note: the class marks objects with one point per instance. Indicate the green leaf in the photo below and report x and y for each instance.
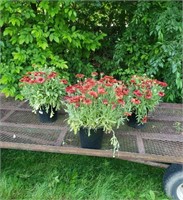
(44, 5)
(37, 32)
(42, 44)
(51, 37)
(19, 97)
(1, 22)
(1, 43)
(152, 195)
(56, 39)
(5, 79)
(8, 31)
(73, 28)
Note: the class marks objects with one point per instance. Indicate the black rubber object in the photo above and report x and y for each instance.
(172, 179)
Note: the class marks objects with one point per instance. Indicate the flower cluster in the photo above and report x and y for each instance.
(93, 103)
(43, 89)
(145, 94)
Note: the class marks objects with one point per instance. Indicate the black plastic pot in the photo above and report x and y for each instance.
(132, 122)
(94, 141)
(44, 117)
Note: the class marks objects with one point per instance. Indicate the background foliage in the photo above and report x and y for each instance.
(42, 32)
(119, 38)
(151, 44)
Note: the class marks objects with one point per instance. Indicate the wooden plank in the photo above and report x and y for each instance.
(163, 137)
(155, 164)
(15, 108)
(171, 105)
(48, 127)
(166, 118)
(91, 152)
(140, 144)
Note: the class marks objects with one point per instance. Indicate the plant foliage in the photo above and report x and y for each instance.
(121, 38)
(151, 44)
(43, 89)
(41, 32)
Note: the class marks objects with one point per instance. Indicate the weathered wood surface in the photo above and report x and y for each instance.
(92, 152)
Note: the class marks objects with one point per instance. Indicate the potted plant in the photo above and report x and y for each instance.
(43, 89)
(96, 106)
(145, 94)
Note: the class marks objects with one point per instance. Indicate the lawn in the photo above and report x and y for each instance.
(29, 175)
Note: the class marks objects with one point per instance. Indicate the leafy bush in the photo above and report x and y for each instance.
(151, 44)
(41, 32)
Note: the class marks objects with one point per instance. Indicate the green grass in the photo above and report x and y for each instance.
(47, 176)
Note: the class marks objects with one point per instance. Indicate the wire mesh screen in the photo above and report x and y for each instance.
(162, 135)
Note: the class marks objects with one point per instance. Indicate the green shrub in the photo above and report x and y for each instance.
(41, 32)
(151, 44)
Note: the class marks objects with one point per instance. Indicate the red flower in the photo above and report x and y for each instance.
(64, 81)
(119, 92)
(113, 105)
(122, 102)
(25, 79)
(91, 82)
(40, 80)
(74, 99)
(77, 104)
(105, 101)
(83, 89)
(52, 75)
(108, 77)
(37, 74)
(144, 120)
(135, 101)
(108, 84)
(80, 75)
(94, 74)
(125, 91)
(132, 81)
(163, 84)
(161, 94)
(42, 73)
(87, 101)
(148, 94)
(113, 80)
(127, 114)
(137, 93)
(31, 81)
(93, 93)
(101, 90)
(70, 89)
